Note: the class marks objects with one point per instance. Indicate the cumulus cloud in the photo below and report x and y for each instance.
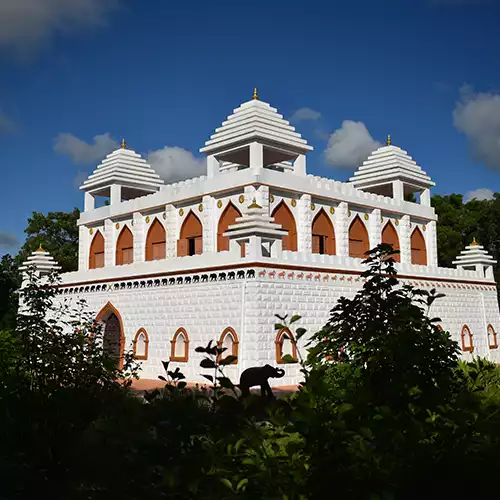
(6, 123)
(82, 152)
(8, 241)
(26, 24)
(479, 194)
(477, 115)
(350, 145)
(303, 114)
(175, 164)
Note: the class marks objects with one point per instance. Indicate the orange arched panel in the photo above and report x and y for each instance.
(390, 237)
(358, 239)
(138, 354)
(227, 218)
(467, 342)
(233, 345)
(323, 234)
(96, 254)
(282, 215)
(418, 248)
(285, 344)
(191, 237)
(156, 241)
(125, 247)
(180, 337)
(110, 314)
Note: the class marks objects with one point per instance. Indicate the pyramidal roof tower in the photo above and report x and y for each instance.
(122, 175)
(476, 258)
(391, 171)
(255, 136)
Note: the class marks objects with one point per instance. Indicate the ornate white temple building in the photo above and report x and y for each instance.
(169, 267)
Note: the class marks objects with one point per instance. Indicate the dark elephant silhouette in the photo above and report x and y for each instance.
(259, 375)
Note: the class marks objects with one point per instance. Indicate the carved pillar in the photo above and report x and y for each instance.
(375, 228)
(209, 224)
(140, 229)
(304, 223)
(172, 228)
(109, 243)
(342, 229)
(83, 248)
(405, 239)
(431, 242)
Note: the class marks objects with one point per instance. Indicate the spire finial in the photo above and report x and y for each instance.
(124, 144)
(255, 96)
(474, 242)
(40, 248)
(388, 142)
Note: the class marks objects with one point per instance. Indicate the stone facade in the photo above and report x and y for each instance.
(257, 162)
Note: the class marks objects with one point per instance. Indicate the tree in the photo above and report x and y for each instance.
(9, 282)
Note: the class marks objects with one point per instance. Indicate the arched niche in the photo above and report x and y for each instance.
(125, 247)
(285, 345)
(390, 237)
(283, 216)
(96, 253)
(141, 344)
(323, 234)
(418, 248)
(156, 241)
(227, 218)
(113, 337)
(229, 340)
(191, 236)
(358, 239)
(179, 346)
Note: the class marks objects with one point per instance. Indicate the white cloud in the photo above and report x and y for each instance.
(477, 115)
(82, 152)
(303, 114)
(6, 123)
(350, 145)
(479, 194)
(175, 164)
(8, 241)
(27, 24)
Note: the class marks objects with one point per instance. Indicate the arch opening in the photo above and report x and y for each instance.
(285, 345)
(125, 247)
(283, 215)
(156, 241)
(358, 239)
(227, 218)
(190, 241)
(323, 234)
(418, 248)
(390, 237)
(96, 253)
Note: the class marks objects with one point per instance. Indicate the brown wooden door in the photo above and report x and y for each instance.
(418, 248)
(390, 237)
(358, 239)
(283, 215)
(112, 338)
(227, 218)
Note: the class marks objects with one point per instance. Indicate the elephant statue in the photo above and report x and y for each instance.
(259, 375)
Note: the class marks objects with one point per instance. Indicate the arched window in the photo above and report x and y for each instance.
(125, 247)
(227, 218)
(229, 340)
(467, 344)
(418, 249)
(141, 344)
(282, 215)
(180, 346)
(492, 337)
(358, 239)
(323, 234)
(191, 237)
(96, 254)
(440, 328)
(285, 344)
(390, 237)
(156, 241)
(113, 338)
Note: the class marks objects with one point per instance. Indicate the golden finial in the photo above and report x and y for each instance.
(40, 248)
(474, 242)
(124, 144)
(255, 95)
(388, 142)
(254, 204)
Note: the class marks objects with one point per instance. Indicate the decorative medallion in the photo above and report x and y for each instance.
(424, 227)
(117, 225)
(147, 219)
(313, 206)
(181, 212)
(91, 231)
(241, 199)
(271, 198)
(200, 207)
(367, 216)
(332, 210)
(348, 213)
(219, 204)
(164, 216)
(396, 222)
(294, 203)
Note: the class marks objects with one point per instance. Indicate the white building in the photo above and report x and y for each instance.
(170, 267)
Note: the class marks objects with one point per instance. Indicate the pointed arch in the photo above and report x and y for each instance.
(283, 215)
(285, 345)
(358, 238)
(190, 241)
(323, 234)
(125, 247)
(492, 337)
(418, 248)
(390, 237)
(113, 338)
(227, 218)
(156, 241)
(179, 350)
(229, 340)
(96, 253)
(141, 344)
(467, 343)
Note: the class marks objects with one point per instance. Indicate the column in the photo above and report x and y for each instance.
(405, 239)
(397, 190)
(89, 202)
(262, 196)
(172, 228)
(375, 228)
(299, 165)
(341, 225)
(84, 240)
(115, 196)
(139, 230)
(256, 157)
(431, 242)
(212, 166)
(109, 243)
(250, 193)
(304, 224)
(209, 223)
(425, 197)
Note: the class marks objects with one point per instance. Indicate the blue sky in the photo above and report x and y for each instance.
(165, 74)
